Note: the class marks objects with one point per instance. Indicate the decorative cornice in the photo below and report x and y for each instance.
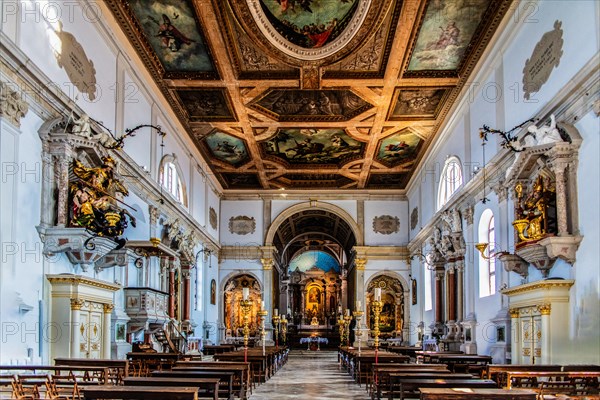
(381, 252)
(81, 280)
(13, 106)
(538, 285)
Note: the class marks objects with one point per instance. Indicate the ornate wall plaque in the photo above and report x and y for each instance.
(546, 55)
(386, 224)
(414, 218)
(212, 218)
(242, 225)
(72, 58)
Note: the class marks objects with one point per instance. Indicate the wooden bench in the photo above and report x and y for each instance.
(476, 394)
(394, 378)
(250, 376)
(139, 392)
(410, 387)
(241, 378)
(497, 372)
(225, 378)
(585, 382)
(381, 372)
(207, 387)
(117, 369)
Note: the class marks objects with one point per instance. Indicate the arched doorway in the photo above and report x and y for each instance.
(232, 295)
(392, 319)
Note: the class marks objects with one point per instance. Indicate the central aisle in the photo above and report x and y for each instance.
(310, 375)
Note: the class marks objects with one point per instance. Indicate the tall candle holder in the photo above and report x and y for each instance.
(358, 316)
(376, 306)
(342, 329)
(276, 319)
(263, 334)
(284, 323)
(246, 306)
(347, 319)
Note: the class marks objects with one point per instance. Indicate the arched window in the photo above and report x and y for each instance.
(450, 181)
(487, 268)
(170, 178)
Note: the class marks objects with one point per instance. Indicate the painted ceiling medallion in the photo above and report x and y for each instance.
(308, 29)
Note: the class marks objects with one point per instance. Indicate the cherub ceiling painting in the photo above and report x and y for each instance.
(309, 23)
(171, 29)
(445, 34)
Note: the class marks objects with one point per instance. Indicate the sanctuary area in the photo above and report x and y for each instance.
(273, 199)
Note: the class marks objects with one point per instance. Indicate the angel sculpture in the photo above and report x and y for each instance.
(95, 199)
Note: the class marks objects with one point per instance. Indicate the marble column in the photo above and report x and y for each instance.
(48, 185)
(545, 338)
(107, 330)
(76, 305)
(439, 282)
(451, 294)
(172, 291)
(558, 167)
(515, 334)
(359, 283)
(63, 164)
(460, 290)
(186, 295)
(267, 269)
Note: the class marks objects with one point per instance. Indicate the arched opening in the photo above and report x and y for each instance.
(233, 317)
(314, 250)
(394, 312)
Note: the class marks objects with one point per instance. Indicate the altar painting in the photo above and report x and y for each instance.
(233, 294)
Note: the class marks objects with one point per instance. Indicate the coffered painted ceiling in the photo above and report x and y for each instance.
(311, 94)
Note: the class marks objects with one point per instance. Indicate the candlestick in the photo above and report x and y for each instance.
(378, 294)
(276, 312)
(358, 305)
(347, 312)
(358, 316)
(245, 293)
(262, 305)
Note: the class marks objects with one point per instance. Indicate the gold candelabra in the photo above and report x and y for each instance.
(358, 316)
(263, 334)
(376, 306)
(347, 319)
(341, 322)
(284, 323)
(246, 306)
(276, 319)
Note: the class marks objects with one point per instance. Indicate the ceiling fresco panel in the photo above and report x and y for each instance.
(234, 180)
(387, 181)
(313, 181)
(171, 30)
(226, 148)
(310, 105)
(446, 34)
(417, 103)
(401, 148)
(205, 105)
(297, 147)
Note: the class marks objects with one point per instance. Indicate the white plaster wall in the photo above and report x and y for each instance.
(379, 208)
(232, 209)
(278, 206)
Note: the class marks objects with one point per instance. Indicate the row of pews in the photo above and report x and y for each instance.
(227, 376)
(460, 376)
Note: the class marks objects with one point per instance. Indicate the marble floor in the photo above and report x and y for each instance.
(310, 375)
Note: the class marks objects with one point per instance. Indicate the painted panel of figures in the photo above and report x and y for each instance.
(399, 148)
(309, 23)
(227, 148)
(313, 146)
(171, 28)
(417, 103)
(206, 105)
(310, 105)
(445, 34)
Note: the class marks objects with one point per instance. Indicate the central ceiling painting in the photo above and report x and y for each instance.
(311, 94)
(309, 23)
(312, 146)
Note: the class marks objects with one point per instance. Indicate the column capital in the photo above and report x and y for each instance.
(468, 213)
(514, 312)
(267, 263)
(108, 308)
(360, 263)
(13, 106)
(76, 304)
(544, 309)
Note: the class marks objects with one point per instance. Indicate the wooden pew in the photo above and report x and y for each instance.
(118, 369)
(381, 372)
(153, 361)
(139, 392)
(225, 378)
(586, 382)
(241, 378)
(207, 387)
(394, 378)
(497, 372)
(472, 394)
(412, 386)
(217, 349)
